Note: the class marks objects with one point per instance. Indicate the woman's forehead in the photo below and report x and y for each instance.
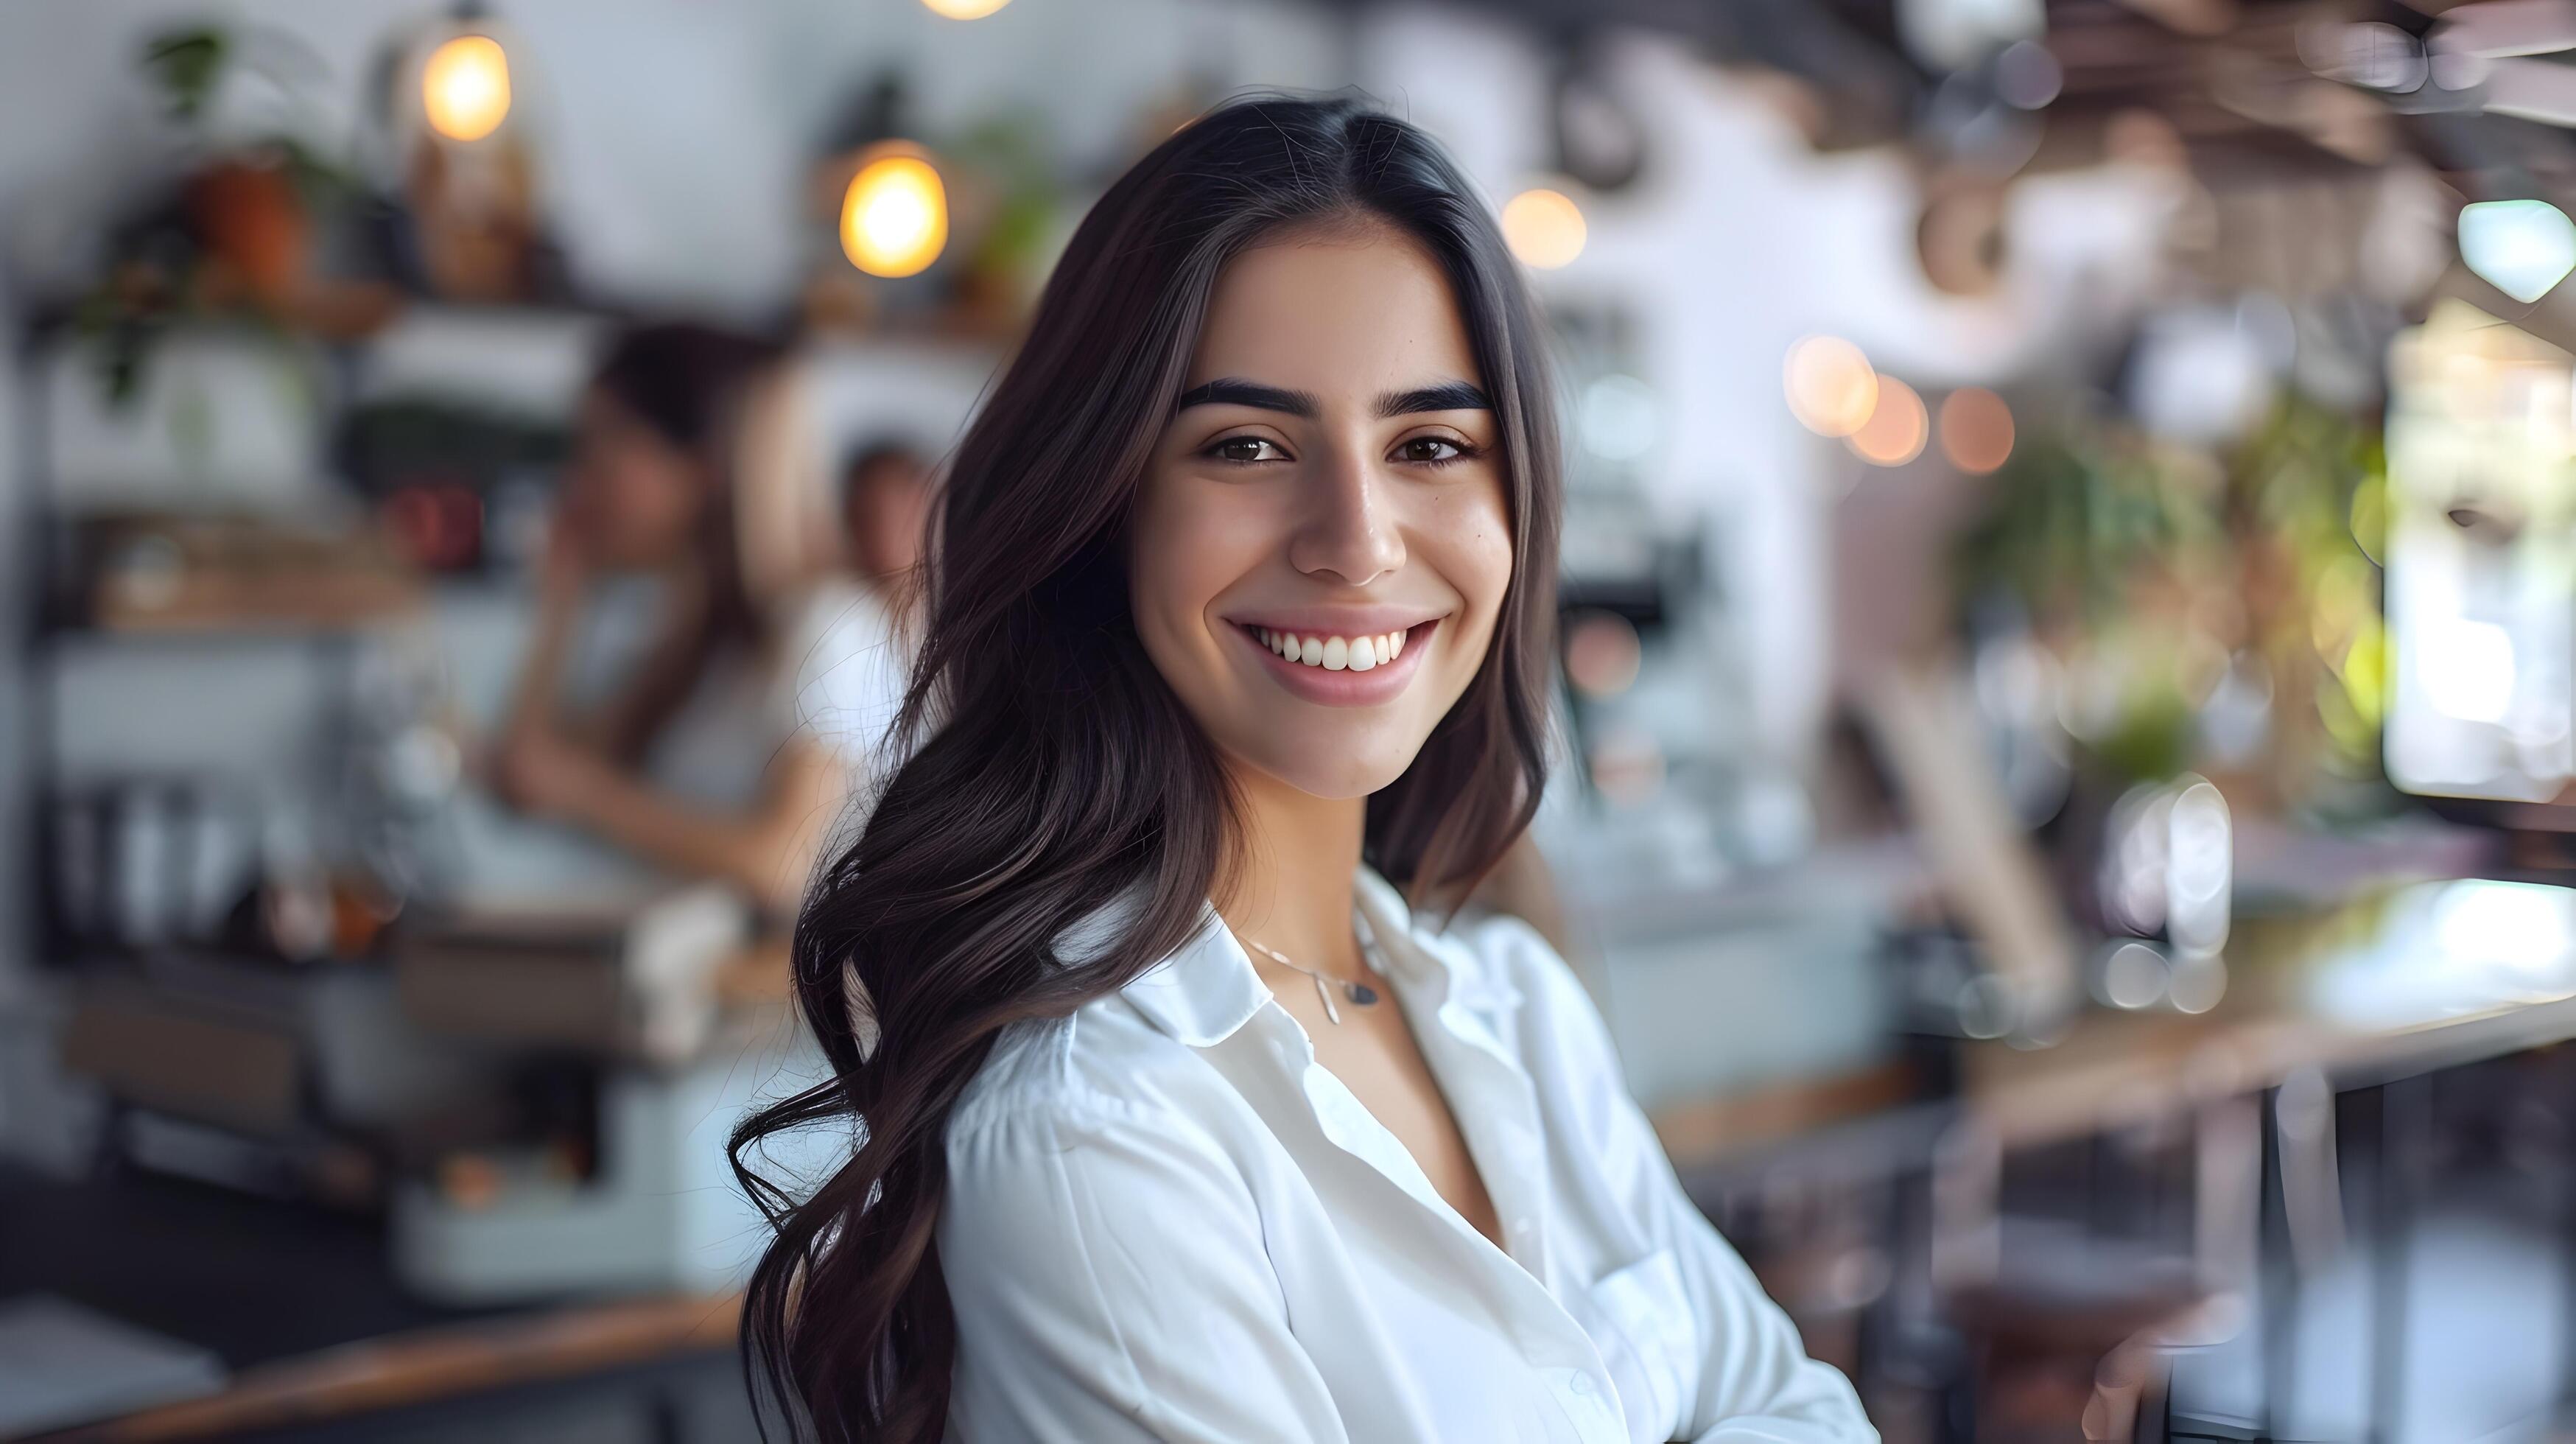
(1343, 312)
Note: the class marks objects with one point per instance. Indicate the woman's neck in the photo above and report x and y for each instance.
(1291, 886)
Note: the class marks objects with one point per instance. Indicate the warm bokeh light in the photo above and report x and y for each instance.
(1897, 427)
(1976, 430)
(963, 9)
(1544, 228)
(894, 220)
(1602, 654)
(1832, 389)
(465, 87)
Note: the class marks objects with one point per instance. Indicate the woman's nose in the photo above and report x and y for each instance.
(1348, 532)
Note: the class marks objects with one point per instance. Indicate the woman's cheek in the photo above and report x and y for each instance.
(1183, 560)
(1478, 558)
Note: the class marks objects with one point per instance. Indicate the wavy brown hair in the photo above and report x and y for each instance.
(1055, 772)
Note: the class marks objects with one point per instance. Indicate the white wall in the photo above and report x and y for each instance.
(673, 132)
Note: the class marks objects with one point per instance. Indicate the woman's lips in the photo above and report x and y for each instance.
(1345, 687)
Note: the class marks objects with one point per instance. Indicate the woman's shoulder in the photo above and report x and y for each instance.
(1532, 996)
(1508, 956)
(1102, 1067)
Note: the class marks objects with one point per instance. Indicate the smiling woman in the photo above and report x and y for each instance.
(1329, 477)
(1233, 682)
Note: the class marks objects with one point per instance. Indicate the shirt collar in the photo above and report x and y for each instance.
(1208, 987)
(1205, 990)
(1415, 953)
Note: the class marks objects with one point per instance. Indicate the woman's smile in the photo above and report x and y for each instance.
(1340, 664)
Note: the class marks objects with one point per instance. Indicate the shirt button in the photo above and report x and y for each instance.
(1521, 1226)
(1582, 1386)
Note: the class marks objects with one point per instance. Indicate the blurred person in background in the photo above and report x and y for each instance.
(726, 751)
(885, 509)
(1189, 1109)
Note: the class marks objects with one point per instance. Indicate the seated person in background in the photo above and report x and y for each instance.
(729, 749)
(885, 507)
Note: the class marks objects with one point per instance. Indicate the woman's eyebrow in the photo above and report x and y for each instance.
(1235, 391)
(1448, 396)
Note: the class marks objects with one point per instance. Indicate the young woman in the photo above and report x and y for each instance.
(1181, 1115)
(726, 750)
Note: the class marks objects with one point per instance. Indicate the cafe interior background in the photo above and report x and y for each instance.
(2069, 656)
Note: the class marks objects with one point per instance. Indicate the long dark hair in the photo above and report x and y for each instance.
(1056, 772)
(687, 381)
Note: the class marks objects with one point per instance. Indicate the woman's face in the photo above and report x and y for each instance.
(637, 496)
(1331, 480)
(889, 514)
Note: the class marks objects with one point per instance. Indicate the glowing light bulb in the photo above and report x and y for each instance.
(465, 87)
(1544, 228)
(963, 9)
(894, 219)
(1976, 430)
(1832, 389)
(2522, 248)
(1897, 427)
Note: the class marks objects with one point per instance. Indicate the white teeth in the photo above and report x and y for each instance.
(1335, 654)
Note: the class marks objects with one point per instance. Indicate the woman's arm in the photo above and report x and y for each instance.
(1746, 1372)
(562, 578)
(621, 727)
(1110, 1285)
(1755, 1379)
(767, 851)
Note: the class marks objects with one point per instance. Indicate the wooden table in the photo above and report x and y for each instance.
(2111, 1069)
(302, 1306)
(442, 1363)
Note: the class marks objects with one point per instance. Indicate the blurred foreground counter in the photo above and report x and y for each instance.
(2331, 1204)
(2408, 980)
(160, 1308)
(479, 1179)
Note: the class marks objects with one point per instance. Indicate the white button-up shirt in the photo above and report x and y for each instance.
(1165, 1221)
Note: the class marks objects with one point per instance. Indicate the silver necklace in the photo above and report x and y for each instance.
(1361, 994)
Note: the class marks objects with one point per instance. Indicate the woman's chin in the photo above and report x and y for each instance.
(1337, 772)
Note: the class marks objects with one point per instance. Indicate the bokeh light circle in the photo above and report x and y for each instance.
(1602, 654)
(1830, 385)
(1976, 430)
(465, 87)
(894, 218)
(1897, 427)
(1544, 228)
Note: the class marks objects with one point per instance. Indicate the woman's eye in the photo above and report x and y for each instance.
(1430, 449)
(1246, 449)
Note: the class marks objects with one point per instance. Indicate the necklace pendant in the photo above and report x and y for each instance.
(1330, 1012)
(1362, 993)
